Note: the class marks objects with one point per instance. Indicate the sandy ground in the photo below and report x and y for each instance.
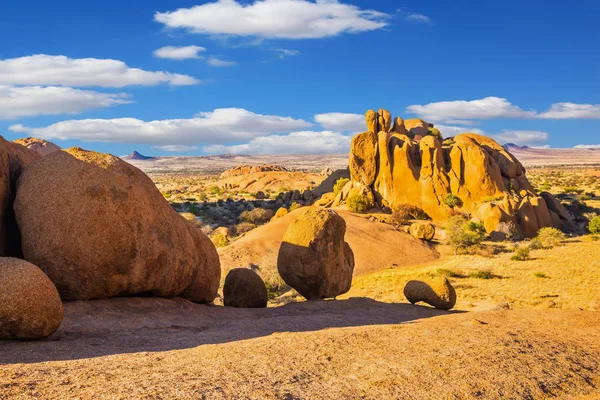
(375, 245)
(167, 349)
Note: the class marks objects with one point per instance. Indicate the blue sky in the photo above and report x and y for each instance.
(294, 76)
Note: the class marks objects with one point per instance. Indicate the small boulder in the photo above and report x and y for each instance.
(30, 306)
(260, 195)
(244, 289)
(422, 230)
(281, 211)
(313, 258)
(437, 292)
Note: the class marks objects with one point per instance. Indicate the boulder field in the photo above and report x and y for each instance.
(407, 162)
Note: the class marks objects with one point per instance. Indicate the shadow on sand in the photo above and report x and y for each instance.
(131, 325)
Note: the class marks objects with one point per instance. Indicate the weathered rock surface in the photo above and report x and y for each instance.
(409, 165)
(40, 146)
(438, 293)
(314, 258)
(98, 227)
(13, 159)
(30, 307)
(422, 230)
(243, 288)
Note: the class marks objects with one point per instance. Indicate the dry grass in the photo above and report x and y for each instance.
(571, 279)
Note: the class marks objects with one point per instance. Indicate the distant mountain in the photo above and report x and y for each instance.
(137, 156)
(512, 146)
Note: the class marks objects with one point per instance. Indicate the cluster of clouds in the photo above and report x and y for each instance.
(464, 112)
(190, 53)
(44, 84)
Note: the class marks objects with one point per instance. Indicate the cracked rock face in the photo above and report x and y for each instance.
(98, 227)
(409, 164)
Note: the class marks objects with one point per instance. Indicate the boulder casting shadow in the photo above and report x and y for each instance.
(129, 325)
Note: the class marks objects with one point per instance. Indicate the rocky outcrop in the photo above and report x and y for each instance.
(30, 307)
(40, 146)
(410, 164)
(98, 227)
(437, 292)
(314, 258)
(250, 169)
(13, 160)
(244, 289)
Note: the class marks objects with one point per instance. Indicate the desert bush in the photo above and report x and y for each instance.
(540, 275)
(452, 200)
(339, 185)
(547, 238)
(482, 274)
(244, 227)
(463, 233)
(402, 213)
(594, 225)
(215, 190)
(256, 216)
(220, 240)
(446, 273)
(294, 206)
(359, 203)
(572, 190)
(435, 132)
(521, 254)
(448, 142)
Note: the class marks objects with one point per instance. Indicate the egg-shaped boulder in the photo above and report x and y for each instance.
(437, 292)
(314, 258)
(99, 227)
(30, 307)
(243, 288)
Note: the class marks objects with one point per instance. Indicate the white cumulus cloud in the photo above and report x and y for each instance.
(175, 148)
(522, 138)
(587, 146)
(217, 62)
(48, 70)
(448, 130)
(457, 110)
(26, 101)
(179, 53)
(274, 19)
(415, 17)
(305, 142)
(344, 122)
(223, 125)
(572, 111)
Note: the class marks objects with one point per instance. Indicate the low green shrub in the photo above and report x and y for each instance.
(594, 226)
(464, 233)
(339, 185)
(547, 238)
(521, 254)
(359, 203)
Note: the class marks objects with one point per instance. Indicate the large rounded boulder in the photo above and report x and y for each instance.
(244, 289)
(313, 258)
(437, 292)
(98, 227)
(30, 307)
